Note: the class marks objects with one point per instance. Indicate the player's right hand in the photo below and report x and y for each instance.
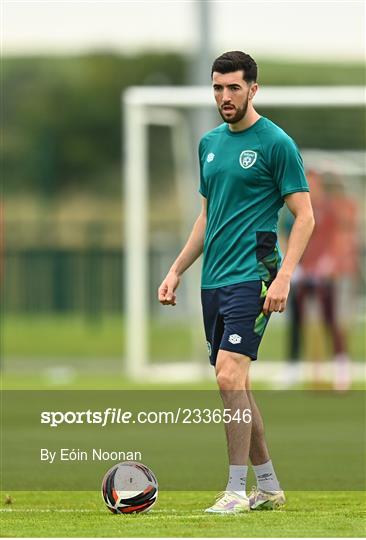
(166, 292)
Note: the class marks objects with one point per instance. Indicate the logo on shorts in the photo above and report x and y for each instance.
(247, 158)
(210, 157)
(209, 348)
(235, 339)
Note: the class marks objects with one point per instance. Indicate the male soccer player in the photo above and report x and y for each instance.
(249, 168)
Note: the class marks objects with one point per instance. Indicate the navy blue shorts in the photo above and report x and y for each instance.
(233, 318)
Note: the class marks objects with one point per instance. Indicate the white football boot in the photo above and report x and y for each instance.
(266, 500)
(229, 502)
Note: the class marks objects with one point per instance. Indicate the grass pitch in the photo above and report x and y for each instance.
(180, 514)
(176, 514)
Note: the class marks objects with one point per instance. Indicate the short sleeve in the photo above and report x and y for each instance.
(287, 167)
(203, 187)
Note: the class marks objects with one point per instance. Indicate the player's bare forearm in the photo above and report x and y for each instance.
(193, 248)
(189, 254)
(300, 206)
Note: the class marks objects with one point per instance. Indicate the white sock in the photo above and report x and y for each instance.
(237, 479)
(266, 477)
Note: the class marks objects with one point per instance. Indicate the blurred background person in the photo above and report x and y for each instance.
(327, 270)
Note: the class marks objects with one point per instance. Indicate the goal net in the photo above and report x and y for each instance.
(165, 342)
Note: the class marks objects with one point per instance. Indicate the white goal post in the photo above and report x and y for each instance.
(145, 106)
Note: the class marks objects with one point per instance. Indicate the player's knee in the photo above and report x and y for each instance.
(225, 379)
(232, 371)
(230, 378)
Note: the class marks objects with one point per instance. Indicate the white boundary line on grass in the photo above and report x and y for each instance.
(72, 510)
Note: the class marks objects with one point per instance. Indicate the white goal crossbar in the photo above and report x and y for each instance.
(144, 106)
(275, 96)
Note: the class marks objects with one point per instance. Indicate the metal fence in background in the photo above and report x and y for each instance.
(63, 280)
(89, 280)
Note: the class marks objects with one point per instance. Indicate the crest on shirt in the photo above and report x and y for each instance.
(247, 158)
(210, 157)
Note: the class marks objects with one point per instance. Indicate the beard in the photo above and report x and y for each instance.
(239, 114)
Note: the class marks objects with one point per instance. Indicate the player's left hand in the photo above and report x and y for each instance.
(277, 294)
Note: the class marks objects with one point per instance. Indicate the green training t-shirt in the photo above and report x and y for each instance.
(244, 177)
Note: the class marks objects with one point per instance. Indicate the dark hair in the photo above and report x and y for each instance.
(236, 61)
